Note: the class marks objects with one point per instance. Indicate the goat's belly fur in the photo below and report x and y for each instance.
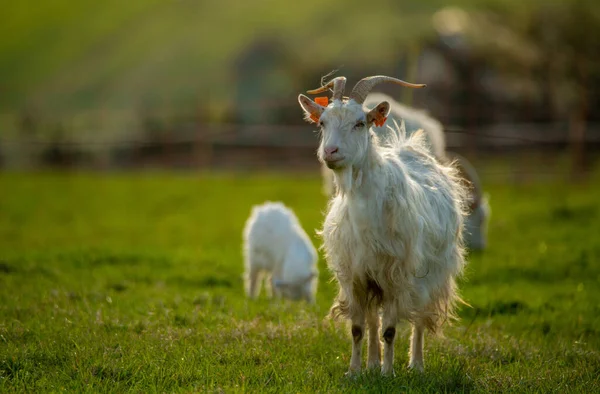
(376, 266)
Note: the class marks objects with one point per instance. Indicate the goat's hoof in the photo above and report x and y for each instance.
(418, 367)
(352, 374)
(389, 372)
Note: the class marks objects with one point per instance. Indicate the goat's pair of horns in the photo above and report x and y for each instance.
(362, 87)
(337, 83)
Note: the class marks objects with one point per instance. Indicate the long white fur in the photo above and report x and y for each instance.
(392, 234)
(414, 119)
(276, 246)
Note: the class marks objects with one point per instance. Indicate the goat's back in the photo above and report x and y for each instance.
(414, 119)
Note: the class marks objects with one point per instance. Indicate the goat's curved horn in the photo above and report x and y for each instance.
(468, 173)
(337, 83)
(364, 86)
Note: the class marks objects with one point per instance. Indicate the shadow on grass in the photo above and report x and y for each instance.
(104, 372)
(436, 378)
(5, 268)
(507, 308)
(209, 281)
(30, 365)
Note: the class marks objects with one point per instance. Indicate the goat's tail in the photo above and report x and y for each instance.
(443, 309)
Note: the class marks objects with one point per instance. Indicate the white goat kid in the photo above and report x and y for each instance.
(393, 233)
(275, 245)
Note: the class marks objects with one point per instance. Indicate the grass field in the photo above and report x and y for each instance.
(133, 282)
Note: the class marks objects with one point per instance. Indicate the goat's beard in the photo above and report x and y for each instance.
(344, 179)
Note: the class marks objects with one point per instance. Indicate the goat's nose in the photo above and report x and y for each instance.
(330, 150)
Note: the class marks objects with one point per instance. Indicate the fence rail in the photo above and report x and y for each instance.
(257, 146)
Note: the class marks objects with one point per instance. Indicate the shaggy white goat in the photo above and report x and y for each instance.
(414, 119)
(275, 244)
(393, 233)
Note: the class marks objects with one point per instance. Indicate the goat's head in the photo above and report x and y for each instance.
(344, 124)
(300, 289)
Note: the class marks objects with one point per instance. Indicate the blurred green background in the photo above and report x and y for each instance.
(78, 76)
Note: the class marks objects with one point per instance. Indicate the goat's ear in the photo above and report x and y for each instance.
(312, 110)
(378, 114)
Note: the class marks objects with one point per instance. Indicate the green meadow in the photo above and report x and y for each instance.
(132, 282)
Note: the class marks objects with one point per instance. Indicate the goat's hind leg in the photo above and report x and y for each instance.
(416, 346)
(253, 279)
(358, 330)
(389, 322)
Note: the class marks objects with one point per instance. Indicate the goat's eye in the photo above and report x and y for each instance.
(360, 124)
(321, 124)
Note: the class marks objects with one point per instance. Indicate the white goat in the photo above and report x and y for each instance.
(478, 210)
(275, 244)
(393, 233)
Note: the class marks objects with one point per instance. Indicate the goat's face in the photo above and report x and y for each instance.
(295, 291)
(344, 129)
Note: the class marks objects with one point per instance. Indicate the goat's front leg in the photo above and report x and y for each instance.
(358, 330)
(272, 289)
(389, 322)
(253, 278)
(416, 346)
(374, 355)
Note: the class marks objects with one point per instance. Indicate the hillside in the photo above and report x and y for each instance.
(114, 54)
